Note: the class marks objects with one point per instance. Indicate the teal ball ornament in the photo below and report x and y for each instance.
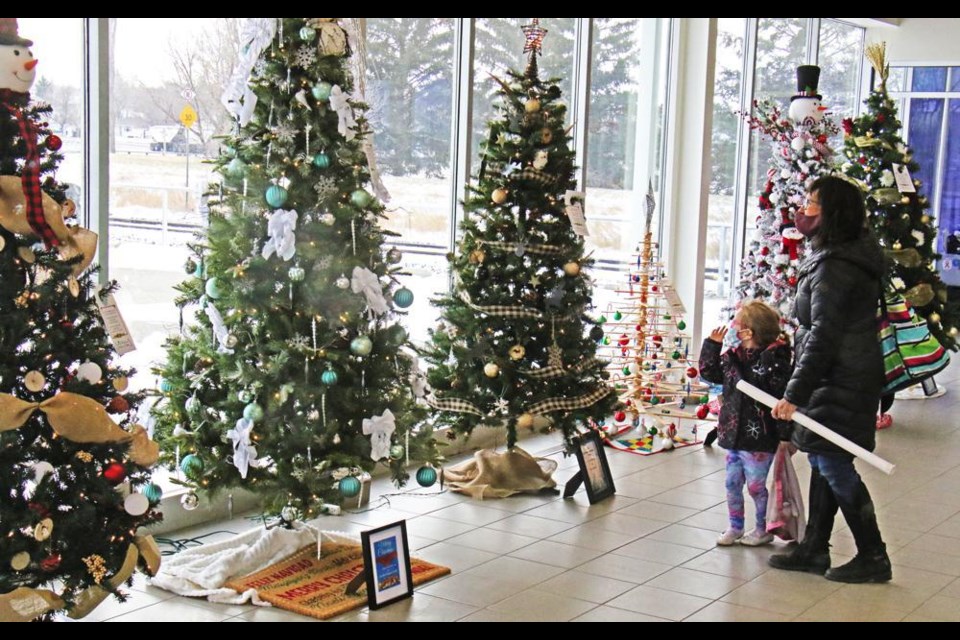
(276, 196)
(307, 34)
(166, 386)
(349, 487)
(212, 289)
(321, 160)
(321, 90)
(361, 346)
(253, 412)
(329, 378)
(403, 298)
(360, 198)
(236, 168)
(426, 476)
(191, 266)
(152, 492)
(191, 465)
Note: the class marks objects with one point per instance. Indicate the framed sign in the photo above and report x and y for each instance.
(594, 470)
(386, 564)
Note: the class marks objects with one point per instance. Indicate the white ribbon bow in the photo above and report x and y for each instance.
(220, 330)
(418, 378)
(366, 282)
(244, 453)
(282, 240)
(340, 102)
(380, 429)
(238, 98)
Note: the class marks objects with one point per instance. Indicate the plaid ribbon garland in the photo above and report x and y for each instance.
(536, 249)
(568, 404)
(556, 372)
(501, 310)
(455, 405)
(30, 178)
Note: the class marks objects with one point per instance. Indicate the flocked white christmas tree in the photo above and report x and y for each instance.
(800, 155)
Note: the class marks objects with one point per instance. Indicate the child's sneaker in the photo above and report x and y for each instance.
(729, 537)
(884, 421)
(757, 538)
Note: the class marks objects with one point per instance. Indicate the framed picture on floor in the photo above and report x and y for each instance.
(386, 564)
(594, 471)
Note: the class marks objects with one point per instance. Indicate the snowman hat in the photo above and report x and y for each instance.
(808, 79)
(10, 34)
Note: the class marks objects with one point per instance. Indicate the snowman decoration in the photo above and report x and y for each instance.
(806, 108)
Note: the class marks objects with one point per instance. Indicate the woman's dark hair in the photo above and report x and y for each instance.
(843, 214)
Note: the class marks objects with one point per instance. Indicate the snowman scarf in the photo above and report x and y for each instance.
(30, 176)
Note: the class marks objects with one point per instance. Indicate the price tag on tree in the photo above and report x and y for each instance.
(904, 181)
(574, 211)
(115, 325)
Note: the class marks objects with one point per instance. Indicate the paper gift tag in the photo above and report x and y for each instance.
(574, 211)
(904, 181)
(115, 325)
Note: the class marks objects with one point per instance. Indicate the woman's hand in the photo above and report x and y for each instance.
(783, 410)
(718, 334)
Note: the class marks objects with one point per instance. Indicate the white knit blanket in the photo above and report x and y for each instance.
(202, 571)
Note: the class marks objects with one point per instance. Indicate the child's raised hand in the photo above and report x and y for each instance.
(718, 334)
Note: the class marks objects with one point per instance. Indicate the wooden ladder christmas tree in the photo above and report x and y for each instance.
(650, 362)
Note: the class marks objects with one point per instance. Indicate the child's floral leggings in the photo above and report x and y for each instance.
(750, 468)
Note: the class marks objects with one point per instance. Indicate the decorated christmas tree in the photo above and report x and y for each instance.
(512, 349)
(879, 160)
(293, 380)
(648, 350)
(74, 468)
(800, 154)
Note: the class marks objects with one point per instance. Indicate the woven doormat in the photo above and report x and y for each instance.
(317, 587)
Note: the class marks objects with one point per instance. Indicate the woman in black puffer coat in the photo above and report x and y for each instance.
(837, 378)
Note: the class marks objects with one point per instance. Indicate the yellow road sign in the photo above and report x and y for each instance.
(188, 117)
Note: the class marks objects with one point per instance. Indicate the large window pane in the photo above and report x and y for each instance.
(624, 133)
(724, 151)
(841, 49)
(929, 79)
(926, 120)
(949, 222)
(156, 168)
(410, 65)
(58, 46)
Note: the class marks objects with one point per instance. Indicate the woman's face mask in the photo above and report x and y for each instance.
(808, 220)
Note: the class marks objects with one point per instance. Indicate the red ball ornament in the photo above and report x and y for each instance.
(862, 160)
(620, 416)
(765, 251)
(822, 139)
(54, 142)
(657, 339)
(881, 118)
(624, 340)
(792, 280)
(654, 288)
(51, 562)
(118, 404)
(115, 473)
(692, 372)
(702, 411)
(39, 509)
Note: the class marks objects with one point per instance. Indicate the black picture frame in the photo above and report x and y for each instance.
(594, 470)
(386, 564)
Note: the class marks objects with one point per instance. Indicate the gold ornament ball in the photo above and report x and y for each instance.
(897, 246)
(34, 381)
(20, 561)
(477, 256)
(571, 269)
(954, 331)
(517, 352)
(499, 196)
(491, 370)
(43, 529)
(532, 105)
(934, 317)
(525, 421)
(905, 200)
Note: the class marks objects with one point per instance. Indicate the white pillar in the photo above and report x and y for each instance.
(688, 165)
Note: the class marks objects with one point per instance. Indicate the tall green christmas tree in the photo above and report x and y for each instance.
(74, 468)
(513, 345)
(292, 380)
(875, 155)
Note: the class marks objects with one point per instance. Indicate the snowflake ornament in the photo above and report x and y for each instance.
(260, 68)
(284, 133)
(325, 187)
(305, 56)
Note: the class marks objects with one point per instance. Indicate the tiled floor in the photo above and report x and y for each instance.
(648, 553)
